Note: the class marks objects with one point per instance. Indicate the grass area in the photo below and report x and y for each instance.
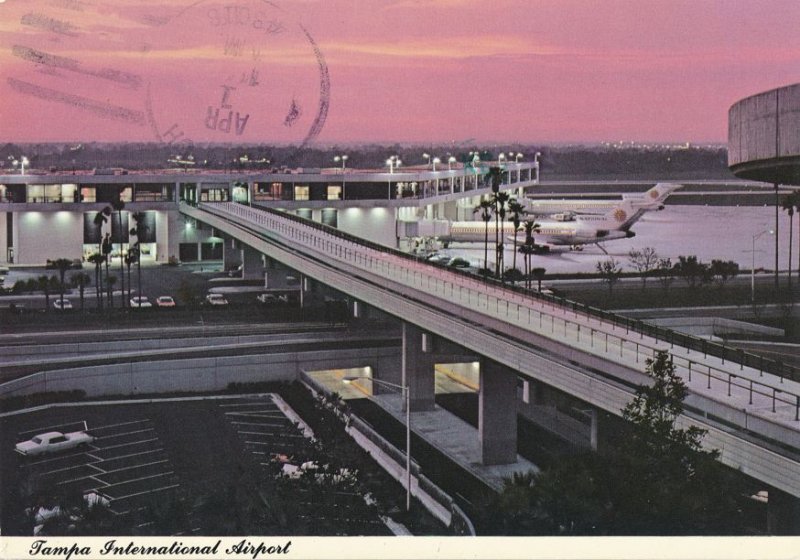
(633, 294)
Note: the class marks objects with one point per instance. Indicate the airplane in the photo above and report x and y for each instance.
(652, 199)
(570, 230)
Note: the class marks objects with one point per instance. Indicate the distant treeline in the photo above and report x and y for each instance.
(557, 162)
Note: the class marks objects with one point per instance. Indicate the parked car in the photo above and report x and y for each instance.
(140, 301)
(61, 305)
(458, 262)
(51, 442)
(216, 299)
(165, 301)
(440, 258)
(267, 298)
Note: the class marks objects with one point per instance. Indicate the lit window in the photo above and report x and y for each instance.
(301, 192)
(334, 192)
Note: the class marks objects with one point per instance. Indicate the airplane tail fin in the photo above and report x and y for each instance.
(660, 192)
(621, 217)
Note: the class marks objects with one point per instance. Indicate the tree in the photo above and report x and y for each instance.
(485, 208)
(516, 210)
(538, 275)
(119, 205)
(45, 283)
(664, 272)
(111, 280)
(692, 271)
(107, 247)
(530, 226)
(499, 199)
(610, 271)
(722, 271)
(644, 262)
(682, 487)
(63, 265)
(139, 231)
(99, 219)
(97, 259)
(80, 281)
(657, 481)
(791, 203)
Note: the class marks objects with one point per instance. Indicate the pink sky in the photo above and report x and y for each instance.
(403, 70)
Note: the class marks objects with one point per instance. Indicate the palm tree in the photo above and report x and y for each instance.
(485, 208)
(789, 205)
(111, 280)
(107, 245)
(119, 205)
(97, 259)
(139, 232)
(500, 199)
(99, 219)
(517, 210)
(530, 226)
(63, 265)
(130, 258)
(80, 281)
(45, 283)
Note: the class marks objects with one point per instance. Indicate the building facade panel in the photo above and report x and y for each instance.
(764, 136)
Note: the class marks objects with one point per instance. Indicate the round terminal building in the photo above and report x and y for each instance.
(764, 136)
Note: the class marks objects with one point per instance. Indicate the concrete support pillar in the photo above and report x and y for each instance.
(594, 420)
(783, 513)
(418, 367)
(231, 255)
(252, 264)
(306, 291)
(497, 414)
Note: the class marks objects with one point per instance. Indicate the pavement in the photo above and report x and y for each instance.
(452, 436)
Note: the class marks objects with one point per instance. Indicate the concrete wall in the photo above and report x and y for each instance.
(48, 235)
(201, 374)
(752, 124)
(375, 224)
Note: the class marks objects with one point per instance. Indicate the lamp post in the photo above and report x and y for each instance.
(501, 158)
(753, 264)
(22, 162)
(343, 159)
(450, 161)
(392, 162)
(407, 398)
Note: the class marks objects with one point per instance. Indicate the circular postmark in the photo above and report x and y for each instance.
(268, 82)
(205, 71)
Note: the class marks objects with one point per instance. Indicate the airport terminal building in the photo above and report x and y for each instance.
(47, 216)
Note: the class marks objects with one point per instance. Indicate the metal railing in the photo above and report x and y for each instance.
(621, 339)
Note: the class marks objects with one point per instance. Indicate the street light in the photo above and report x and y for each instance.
(434, 161)
(407, 398)
(450, 161)
(343, 159)
(22, 162)
(501, 158)
(753, 265)
(516, 157)
(392, 162)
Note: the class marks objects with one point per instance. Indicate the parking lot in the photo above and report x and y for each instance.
(126, 464)
(148, 453)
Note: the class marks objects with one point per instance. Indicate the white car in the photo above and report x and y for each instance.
(165, 301)
(267, 298)
(216, 299)
(50, 442)
(140, 301)
(62, 304)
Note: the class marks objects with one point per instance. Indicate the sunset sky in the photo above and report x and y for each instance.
(327, 71)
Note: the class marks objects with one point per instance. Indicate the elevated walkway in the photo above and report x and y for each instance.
(597, 357)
